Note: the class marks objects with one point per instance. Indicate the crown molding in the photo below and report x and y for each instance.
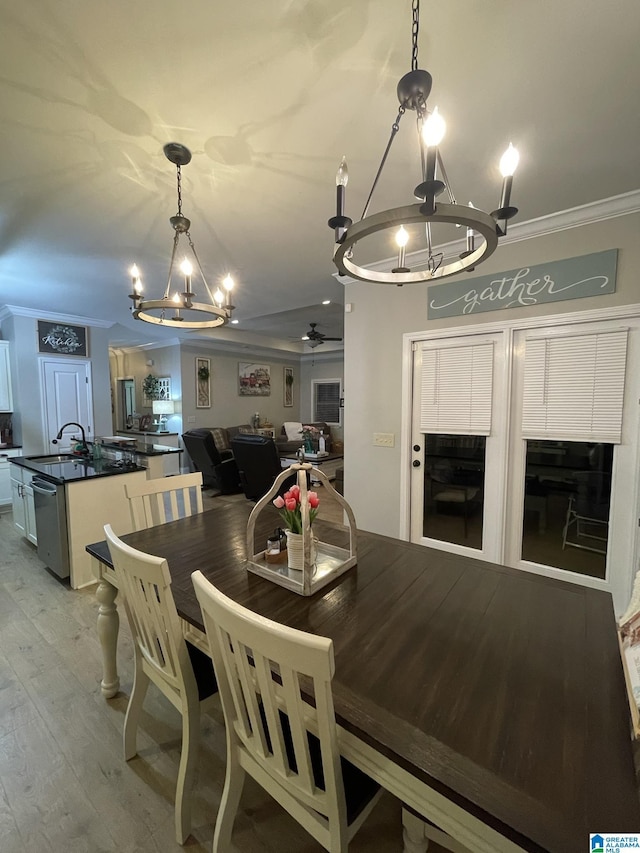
(574, 217)
(17, 311)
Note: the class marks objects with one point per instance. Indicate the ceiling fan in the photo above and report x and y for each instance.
(314, 338)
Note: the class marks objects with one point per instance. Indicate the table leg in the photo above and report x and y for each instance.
(413, 833)
(108, 624)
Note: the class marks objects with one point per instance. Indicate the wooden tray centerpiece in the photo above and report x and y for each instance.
(322, 562)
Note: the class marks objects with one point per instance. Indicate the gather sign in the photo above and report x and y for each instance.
(572, 278)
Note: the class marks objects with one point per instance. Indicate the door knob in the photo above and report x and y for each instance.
(416, 463)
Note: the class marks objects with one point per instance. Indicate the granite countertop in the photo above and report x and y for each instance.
(146, 432)
(140, 446)
(75, 470)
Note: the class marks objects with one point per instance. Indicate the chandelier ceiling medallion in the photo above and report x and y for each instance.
(180, 310)
(413, 91)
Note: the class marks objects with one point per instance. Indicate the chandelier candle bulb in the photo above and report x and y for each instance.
(136, 284)
(342, 179)
(402, 238)
(470, 238)
(177, 301)
(340, 222)
(508, 165)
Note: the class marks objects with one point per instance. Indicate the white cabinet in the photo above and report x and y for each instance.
(6, 397)
(24, 513)
(5, 477)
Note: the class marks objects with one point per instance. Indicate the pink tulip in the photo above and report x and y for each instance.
(278, 502)
(314, 500)
(294, 491)
(291, 504)
(287, 495)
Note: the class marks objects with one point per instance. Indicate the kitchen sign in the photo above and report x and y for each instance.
(556, 281)
(61, 338)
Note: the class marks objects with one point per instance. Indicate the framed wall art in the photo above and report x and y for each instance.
(62, 338)
(254, 380)
(203, 383)
(288, 387)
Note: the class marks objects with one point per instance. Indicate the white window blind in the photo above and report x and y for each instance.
(326, 400)
(574, 387)
(457, 385)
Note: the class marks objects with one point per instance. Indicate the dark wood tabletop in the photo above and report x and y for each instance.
(501, 689)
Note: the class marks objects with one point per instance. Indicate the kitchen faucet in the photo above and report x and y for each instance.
(85, 448)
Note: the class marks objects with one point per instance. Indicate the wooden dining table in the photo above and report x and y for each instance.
(489, 700)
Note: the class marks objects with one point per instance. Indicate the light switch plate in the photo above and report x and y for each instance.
(384, 439)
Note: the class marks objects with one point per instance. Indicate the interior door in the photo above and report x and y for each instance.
(66, 396)
(458, 431)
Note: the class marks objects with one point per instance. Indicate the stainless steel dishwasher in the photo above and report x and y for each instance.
(51, 525)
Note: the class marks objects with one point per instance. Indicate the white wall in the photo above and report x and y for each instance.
(373, 352)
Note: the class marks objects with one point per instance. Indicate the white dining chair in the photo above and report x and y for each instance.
(266, 674)
(164, 499)
(182, 672)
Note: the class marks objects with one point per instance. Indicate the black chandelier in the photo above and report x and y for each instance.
(181, 310)
(482, 229)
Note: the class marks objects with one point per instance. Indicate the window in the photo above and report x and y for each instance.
(325, 395)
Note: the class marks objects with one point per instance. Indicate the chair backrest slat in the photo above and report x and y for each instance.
(145, 584)
(293, 707)
(266, 685)
(157, 501)
(259, 666)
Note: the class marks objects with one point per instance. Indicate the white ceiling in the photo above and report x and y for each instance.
(268, 95)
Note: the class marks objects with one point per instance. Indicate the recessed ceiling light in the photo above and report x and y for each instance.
(235, 321)
(326, 302)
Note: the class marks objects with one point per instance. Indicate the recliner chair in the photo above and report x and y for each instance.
(258, 464)
(219, 471)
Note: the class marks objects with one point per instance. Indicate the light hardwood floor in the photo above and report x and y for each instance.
(64, 785)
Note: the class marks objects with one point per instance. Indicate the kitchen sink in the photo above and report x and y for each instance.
(57, 457)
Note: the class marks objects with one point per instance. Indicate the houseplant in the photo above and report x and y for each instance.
(151, 387)
(290, 507)
(309, 437)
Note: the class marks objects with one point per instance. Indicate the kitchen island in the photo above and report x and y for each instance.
(93, 495)
(148, 449)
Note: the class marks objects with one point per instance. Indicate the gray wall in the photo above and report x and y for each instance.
(373, 362)
(228, 408)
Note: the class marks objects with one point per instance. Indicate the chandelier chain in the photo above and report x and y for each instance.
(179, 186)
(415, 28)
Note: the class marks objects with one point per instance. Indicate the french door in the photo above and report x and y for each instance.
(498, 473)
(457, 443)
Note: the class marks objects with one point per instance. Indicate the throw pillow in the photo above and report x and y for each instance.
(292, 430)
(220, 439)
